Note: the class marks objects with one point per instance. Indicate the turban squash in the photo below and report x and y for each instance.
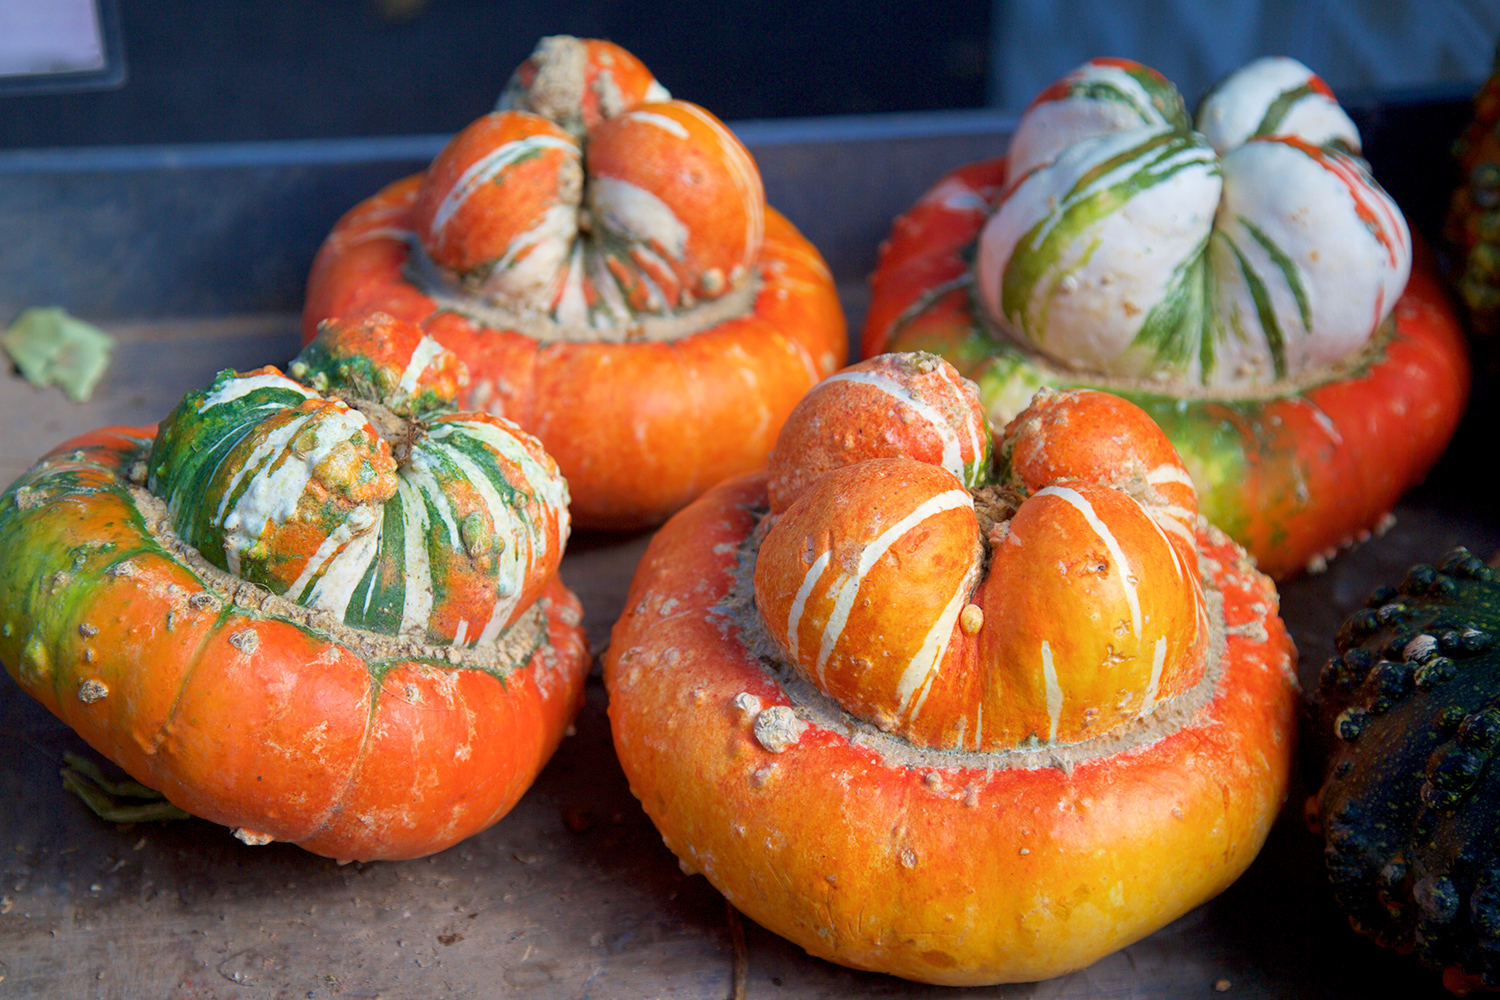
(319, 606)
(960, 716)
(1240, 276)
(602, 259)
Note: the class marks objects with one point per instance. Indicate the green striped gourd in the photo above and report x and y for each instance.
(350, 485)
(318, 606)
(1236, 249)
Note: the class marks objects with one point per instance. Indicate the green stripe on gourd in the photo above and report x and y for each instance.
(1276, 114)
(1275, 96)
(324, 368)
(1044, 266)
(1173, 327)
(311, 462)
(192, 446)
(1100, 97)
(1164, 104)
(1286, 266)
(478, 441)
(1040, 255)
(380, 596)
(1265, 313)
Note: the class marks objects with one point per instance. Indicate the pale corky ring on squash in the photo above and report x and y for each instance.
(959, 717)
(1239, 275)
(320, 606)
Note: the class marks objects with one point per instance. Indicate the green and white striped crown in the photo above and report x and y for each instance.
(1238, 249)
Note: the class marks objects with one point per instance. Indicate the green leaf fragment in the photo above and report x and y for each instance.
(51, 347)
(115, 801)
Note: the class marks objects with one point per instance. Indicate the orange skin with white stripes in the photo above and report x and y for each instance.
(712, 180)
(892, 405)
(605, 265)
(1103, 744)
(1092, 596)
(501, 211)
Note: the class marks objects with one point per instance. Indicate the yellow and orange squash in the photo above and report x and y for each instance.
(319, 606)
(961, 717)
(602, 259)
(1239, 275)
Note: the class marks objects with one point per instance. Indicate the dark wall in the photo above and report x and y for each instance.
(221, 70)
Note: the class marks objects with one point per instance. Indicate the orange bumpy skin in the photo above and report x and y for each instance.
(602, 259)
(321, 607)
(963, 735)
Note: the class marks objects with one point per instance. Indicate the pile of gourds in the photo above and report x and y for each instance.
(927, 643)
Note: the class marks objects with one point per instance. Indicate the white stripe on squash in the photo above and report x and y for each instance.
(1096, 523)
(1168, 472)
(746, 178)
(422, 357)
(342, 565)
(666, 123)
(572, 306)
(1162, 526)
(528, 269)
(420, 472)
(416, 609)
(521, 547)
(485, 169)
(953, 459)
(919, 672)
(634, 212)
(1053, 689)
(546, 485)
(799, 603)
(846, 589)
(1158, 661)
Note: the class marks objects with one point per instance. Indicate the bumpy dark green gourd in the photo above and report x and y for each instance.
(1408, 716)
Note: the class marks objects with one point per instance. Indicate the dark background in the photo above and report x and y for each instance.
(218, 70)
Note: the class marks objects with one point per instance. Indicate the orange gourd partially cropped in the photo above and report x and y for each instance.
(319, 606)
(602, 259)
(957, 717)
